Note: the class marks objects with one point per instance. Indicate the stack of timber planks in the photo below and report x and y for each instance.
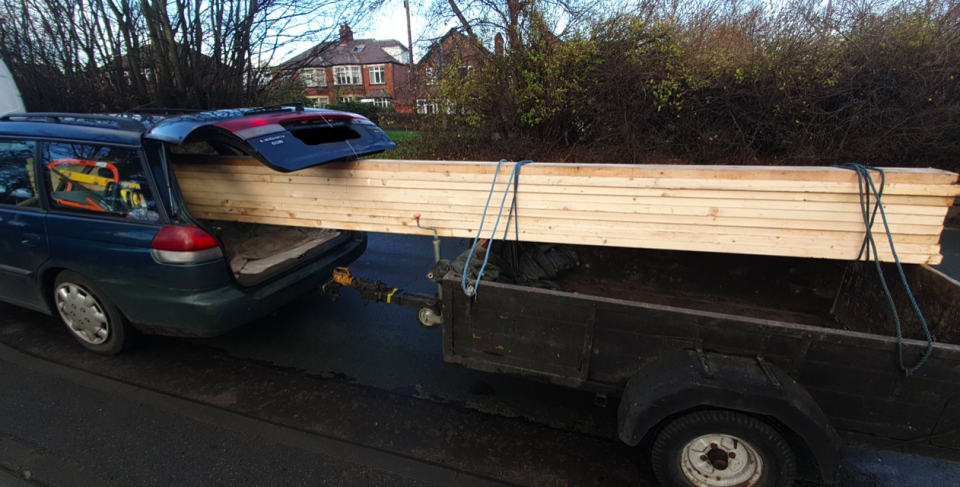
(787, 211)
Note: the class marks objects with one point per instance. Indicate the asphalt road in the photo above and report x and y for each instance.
(80, 435)
(340, 370)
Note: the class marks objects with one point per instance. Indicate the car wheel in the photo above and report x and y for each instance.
(91, 318)
(722, 449)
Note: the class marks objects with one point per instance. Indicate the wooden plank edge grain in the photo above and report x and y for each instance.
(454, 220)
(408, 209)
(660, 196)
(596, 232)
(809, 173)
(228, 191)
(820, 252)
(799, 186)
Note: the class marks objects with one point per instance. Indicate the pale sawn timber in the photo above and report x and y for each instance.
(790, 211)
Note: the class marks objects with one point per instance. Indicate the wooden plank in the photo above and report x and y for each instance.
(678, 183)
(744, 173)
(554, 193)
(805, 212)
(536, 226)
(669, 244)
(235, 189)
(209, 171)
(432, 211)
(544, 225)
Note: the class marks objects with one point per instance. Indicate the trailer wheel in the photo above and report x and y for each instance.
(722, 449)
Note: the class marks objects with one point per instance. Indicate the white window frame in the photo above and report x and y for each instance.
(430, 76)
(314, 77)
(427, 106)
(319, 101)
(381, 70)
(350, 74)
(346, 98)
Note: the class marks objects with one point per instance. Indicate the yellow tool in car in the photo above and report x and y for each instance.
(132, 199)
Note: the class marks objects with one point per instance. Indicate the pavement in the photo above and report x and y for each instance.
(363, 385)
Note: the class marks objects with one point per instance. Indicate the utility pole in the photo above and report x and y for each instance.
(413, 85)
(406, 3)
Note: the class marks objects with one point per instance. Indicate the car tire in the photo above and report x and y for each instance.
(718, 448)
(90, 316)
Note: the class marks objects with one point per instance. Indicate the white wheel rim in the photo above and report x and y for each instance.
(82, 313)
(721, 461)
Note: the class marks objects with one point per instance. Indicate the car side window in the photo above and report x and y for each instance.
(99, 180)
(18, 183)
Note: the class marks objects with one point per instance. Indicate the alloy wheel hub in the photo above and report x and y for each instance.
(82, 313)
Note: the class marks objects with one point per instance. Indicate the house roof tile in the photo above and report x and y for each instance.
(338, 54)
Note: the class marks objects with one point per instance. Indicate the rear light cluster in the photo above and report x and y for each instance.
(182, 244)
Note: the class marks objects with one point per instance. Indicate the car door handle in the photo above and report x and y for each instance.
(30, 240)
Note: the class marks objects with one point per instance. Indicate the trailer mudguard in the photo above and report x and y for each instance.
(690, 380)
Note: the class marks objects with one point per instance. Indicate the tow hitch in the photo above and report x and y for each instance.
(428, 307)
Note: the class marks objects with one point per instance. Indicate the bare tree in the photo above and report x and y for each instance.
(116, 54)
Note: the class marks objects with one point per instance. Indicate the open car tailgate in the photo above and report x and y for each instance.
(285, 139)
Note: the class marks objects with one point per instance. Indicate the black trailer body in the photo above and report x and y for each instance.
(827, 359)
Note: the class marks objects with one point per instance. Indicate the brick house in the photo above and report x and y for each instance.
(450, 57)
(364, 70)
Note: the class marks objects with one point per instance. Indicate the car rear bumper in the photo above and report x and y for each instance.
(215, 311)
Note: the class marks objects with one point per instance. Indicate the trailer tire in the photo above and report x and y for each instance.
(718, 448)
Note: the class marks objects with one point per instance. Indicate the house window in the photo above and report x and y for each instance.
(148, 74)
(347, 75)
(379, 102)
(314, 77)
(359, 48)
(346, 98)
(464, 71)
(427, 107)
(319, 101)
(431, 76)
(377, 75)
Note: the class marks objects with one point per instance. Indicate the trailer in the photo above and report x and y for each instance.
(729, 368)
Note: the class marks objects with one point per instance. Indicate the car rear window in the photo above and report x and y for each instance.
(18, 186)
(99, 180)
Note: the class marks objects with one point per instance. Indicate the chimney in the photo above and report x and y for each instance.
(498, 44)
(346, 35)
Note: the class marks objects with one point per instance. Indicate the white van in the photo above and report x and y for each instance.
(10, 101)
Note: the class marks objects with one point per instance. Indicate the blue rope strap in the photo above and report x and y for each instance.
(514, 180)
(868, 188)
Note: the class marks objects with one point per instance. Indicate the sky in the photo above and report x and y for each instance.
(390, 22)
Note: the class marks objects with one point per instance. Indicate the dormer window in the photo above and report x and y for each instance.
(358, 48)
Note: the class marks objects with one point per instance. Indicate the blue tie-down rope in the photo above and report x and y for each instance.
(515, 181)
(868, 188)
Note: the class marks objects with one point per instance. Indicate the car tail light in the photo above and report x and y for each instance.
(182, 244)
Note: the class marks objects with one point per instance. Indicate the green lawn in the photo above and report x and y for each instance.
(406, 145)
(400, 136)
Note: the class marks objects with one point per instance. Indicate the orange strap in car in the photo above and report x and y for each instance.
(92, 206)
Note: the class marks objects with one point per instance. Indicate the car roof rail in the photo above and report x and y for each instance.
(295, 106)
(162, 111)
(123, 123)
